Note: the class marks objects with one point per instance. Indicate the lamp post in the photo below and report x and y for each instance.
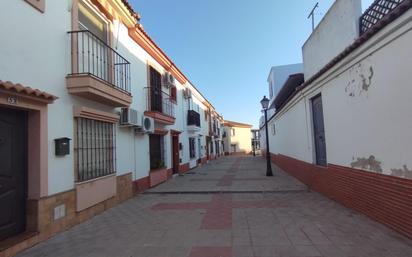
(253, 145)
(265, 104)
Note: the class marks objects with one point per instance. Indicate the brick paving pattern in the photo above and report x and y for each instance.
(271, 217)
(219, 210)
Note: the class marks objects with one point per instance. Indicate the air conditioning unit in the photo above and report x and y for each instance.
(147, 126)
(130, 118)
(168, 80)
(187, 93)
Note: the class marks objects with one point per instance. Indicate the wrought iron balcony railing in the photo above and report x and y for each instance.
(193, 118)
(159, 101)
(376, 12)
(92, 56)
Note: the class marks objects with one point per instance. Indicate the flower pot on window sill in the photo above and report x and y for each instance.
(157, 176)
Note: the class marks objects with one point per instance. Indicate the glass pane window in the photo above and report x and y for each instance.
(88, 20)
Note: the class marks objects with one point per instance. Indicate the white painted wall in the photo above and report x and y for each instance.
(337, 30)
(36, 53)
(290, 134)
(366, 105)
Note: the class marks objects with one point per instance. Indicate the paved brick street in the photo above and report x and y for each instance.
(228, 209)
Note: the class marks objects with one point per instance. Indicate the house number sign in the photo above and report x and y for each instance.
(12, 99)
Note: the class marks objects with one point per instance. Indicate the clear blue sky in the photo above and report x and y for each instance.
(227, 47)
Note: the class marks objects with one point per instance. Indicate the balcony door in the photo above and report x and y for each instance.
(155, 90)
(94, 57)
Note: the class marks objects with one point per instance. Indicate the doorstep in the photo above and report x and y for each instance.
(15, 240)
(157, 176)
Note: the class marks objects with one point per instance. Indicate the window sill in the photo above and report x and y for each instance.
(94, 179)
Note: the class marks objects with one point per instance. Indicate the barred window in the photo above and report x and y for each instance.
(192, 150)
(95, 149)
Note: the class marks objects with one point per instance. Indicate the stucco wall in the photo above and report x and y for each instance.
(366, 105)
(337, 30)
(242, 139)
(290, 137)
(36, 53)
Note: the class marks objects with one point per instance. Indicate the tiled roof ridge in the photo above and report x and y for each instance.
(229, 122)
(131, 10)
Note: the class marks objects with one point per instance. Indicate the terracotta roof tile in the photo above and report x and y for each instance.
(18, 88)
(236, 124)
(130, 7)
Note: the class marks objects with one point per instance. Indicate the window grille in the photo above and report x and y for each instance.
(192, 150)
(95, 149)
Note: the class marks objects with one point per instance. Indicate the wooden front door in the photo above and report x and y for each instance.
(13, 137)
(319, 131)
(175, 153)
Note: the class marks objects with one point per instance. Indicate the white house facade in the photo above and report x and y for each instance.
(92, 111)
(342, 129)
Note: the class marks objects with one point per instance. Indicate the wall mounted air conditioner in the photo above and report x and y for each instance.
(168, 80)
(130, 118)
(187, 93)
(147, 126)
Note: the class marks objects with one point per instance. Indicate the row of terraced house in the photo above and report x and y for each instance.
(340, 122)
(92, 111)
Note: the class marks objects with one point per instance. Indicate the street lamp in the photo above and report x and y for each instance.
(265, 104)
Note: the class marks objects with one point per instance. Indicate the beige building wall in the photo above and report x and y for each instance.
(238, 138)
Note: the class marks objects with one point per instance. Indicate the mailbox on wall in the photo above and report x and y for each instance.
(62, 146)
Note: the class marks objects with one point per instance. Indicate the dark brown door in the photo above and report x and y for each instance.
(175, 153)
(319, 131)
(207, 147)
(12, 172)
(156, 151)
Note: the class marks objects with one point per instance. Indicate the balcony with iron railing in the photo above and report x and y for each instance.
(160, 106)
(193, 120)
(376, 12)
(98, 72)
